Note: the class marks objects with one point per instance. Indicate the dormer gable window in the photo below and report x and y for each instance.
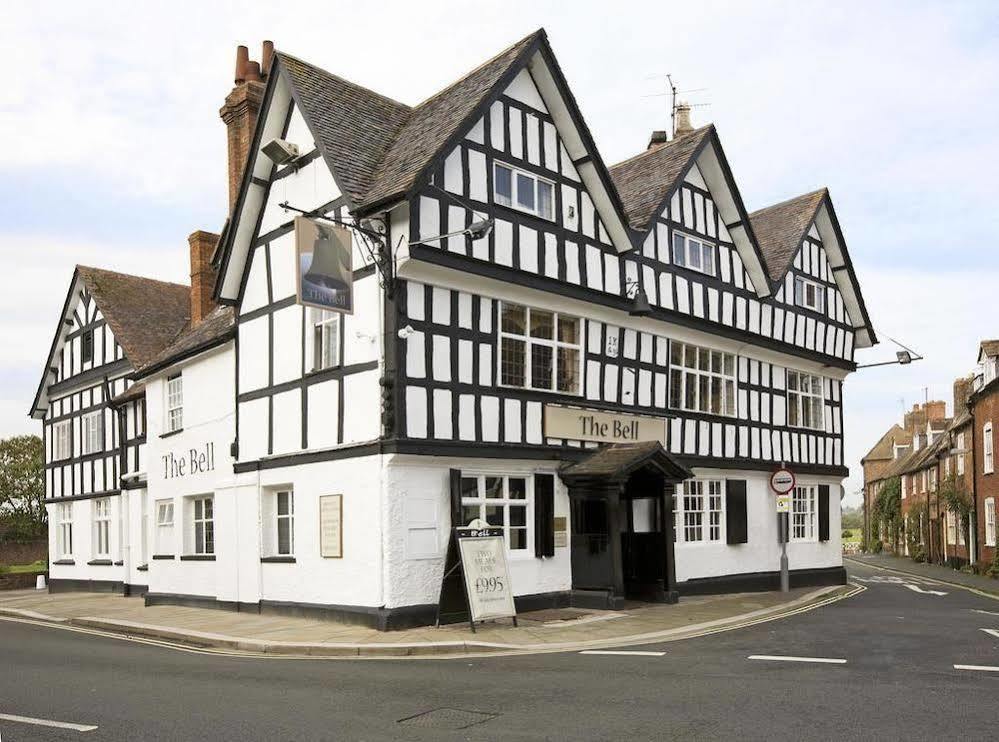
(690, 252)
(809, 294)
(523, 191)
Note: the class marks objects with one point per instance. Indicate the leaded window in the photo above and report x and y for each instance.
(539, 349)
(804, 401)
(701, 379)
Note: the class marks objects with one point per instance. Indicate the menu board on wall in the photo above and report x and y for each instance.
(331, 526)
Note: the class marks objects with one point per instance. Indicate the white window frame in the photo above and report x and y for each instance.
(797, 400)
(685, 248)
(508, 338)
(482, 501)
(804, 516)
(287, 517)
(91, 432)
(164, 527)
(951, 528)
(175, 403)
(325, 338)
(680, 356)
(62, 440)
(801, 288)
(102, 528)
(990, 521)
(960, 456)
(699, 516)
(514, 202)
(988, 465)
(203, 525)
(64, 512)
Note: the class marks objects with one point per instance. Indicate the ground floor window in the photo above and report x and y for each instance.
(500, 501)
(990, 521)
(204, 525)
(699, 512)
(102, 527)
(279, 517)
(64, 514)
(164, 527)
(803, 509)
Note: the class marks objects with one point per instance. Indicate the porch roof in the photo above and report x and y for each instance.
(618, 461)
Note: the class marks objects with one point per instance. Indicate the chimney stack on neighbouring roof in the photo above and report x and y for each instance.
(683, 125)
(241, 108)
(202, 274)
(962, 390)
(658, 137)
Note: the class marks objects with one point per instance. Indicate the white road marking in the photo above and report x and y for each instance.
(788, 658)
(582, 620)
(48, 723)
(622, 651)
(994, 632)
(987, 613)
(983, 668)
(918, 589)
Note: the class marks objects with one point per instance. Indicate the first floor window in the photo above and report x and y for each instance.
(65, 533)
(960, 456)
(701, 379)
(500, 501)
(809, 294)
(539, 349)
(990, 521)
(204, 526)
(693, 253)
(987, 466)
(699, 513)
(175, 403)
(804, 401)
(62, 440)
(325, 338)
(164, 527)
(91, 432)
(102, 527)
(285, 522)
(803, 507)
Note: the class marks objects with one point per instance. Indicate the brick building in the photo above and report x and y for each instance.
(983, 405)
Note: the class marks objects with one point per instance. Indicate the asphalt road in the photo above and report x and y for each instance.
(898, 681)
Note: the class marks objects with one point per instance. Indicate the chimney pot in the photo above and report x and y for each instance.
(242, 62)
(266, 57)
(658, 137)
(253, 72)
(683, 125)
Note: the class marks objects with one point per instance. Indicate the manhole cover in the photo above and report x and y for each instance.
(445, 718)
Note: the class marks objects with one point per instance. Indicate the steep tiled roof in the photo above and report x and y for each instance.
(620, 459)
(885, 447)
(644, 180)
(144, 314)
(218, 327)
(780, 228)
(353, 125)
(990, 348)
(134, 392)
(378, 146)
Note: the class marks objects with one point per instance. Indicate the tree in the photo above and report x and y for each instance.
(958, 501)
(888, 510)
(22, 486)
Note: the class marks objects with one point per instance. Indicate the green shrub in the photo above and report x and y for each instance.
(919, 554)
(878, 547)
(993, 568)
(4, 569)
(847, 533)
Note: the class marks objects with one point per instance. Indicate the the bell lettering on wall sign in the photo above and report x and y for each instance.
(197, 461)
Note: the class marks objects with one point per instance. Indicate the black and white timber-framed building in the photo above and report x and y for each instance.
(505, 377)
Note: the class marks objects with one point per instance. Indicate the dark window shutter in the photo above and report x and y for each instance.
(823, 512)
(544, 515)
(736, 519)
(455, 498)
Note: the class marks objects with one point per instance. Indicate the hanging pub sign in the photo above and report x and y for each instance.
(323, 254)
(476, 585)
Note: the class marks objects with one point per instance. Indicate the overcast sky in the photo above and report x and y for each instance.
(112, 149)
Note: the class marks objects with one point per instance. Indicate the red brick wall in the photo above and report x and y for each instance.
(986, 409)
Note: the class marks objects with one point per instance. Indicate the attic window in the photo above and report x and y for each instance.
(523, 191)
(693, 253)
(87, 347)
(809, 294)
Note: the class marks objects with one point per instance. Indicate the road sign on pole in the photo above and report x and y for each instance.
(782, 483)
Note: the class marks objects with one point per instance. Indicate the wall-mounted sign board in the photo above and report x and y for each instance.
(331, 526)
(574, 423)
(324, 265)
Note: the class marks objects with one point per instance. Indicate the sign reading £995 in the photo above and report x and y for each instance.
(487, 576)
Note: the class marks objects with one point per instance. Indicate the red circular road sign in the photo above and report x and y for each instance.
(782, 481)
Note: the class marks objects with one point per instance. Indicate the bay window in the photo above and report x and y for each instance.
(502, 502)
(701, 380)
(523, 191)
(539, 349)
(804, 401)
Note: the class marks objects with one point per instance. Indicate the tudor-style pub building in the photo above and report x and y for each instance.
(605, 362)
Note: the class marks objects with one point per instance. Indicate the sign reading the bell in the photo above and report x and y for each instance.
(577, 424)
(325, 275)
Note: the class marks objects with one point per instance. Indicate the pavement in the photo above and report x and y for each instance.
(552, 630)
(889, 662)
(931, 571)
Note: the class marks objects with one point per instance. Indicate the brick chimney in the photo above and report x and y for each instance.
(658, 137)
(683, 125)
(202, 274)
(241, 108)
(915, 421)
(962, 390)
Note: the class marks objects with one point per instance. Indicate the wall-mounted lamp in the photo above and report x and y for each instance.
(902, 357)
(640, 306)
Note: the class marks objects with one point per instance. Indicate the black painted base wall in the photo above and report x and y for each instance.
(758, 582)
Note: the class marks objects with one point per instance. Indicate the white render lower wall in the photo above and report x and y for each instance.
(762, 551)
(84, 550)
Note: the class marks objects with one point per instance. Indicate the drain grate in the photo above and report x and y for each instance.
(446, 718)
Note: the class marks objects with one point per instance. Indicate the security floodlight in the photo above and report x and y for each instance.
(280, 151)
(480, 230)
(904, 357)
